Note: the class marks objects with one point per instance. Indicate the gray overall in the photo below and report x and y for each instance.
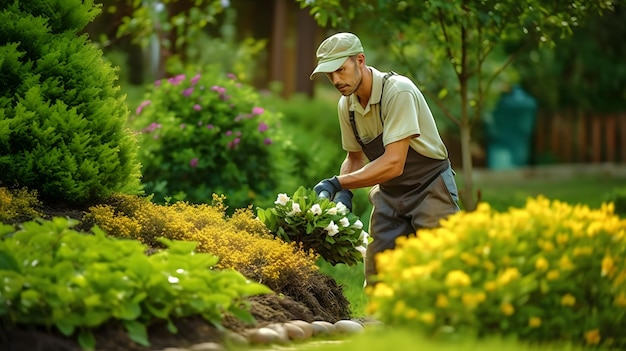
(424, 194)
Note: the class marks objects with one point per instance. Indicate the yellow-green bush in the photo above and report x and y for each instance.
(547, 272)
(241, 241)
(18, 204)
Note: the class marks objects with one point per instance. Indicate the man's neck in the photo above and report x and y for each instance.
(365, 89)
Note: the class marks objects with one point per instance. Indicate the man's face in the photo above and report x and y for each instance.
(346, 78)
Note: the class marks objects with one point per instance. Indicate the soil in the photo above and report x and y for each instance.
(320, 298)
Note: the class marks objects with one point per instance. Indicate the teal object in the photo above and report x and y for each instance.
(510, 130)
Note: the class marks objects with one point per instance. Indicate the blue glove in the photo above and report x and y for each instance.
(328, 188)
(345, 197)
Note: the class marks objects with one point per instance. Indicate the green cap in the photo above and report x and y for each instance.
(334, 51)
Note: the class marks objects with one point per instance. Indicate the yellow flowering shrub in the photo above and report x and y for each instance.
(18, 205)
(547, 272)
(242, 242)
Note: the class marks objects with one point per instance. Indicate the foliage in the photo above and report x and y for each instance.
(460, 36)
(17, 204)
(589, 66)
(205, 133)
(328, 229)
(547, 272)
(54, 276)
(618, 197)
(240, 241)
(62, 117)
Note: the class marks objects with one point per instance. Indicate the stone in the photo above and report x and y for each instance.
(283, 336)
(233, 338)
(323, 327)
(348, 327)
(294, 332)
(207, 346)
(306, 327)
(263, 336)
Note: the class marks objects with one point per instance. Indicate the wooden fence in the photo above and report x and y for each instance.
(572, 137)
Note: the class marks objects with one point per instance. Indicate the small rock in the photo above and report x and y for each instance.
(235, 339)
(207, 346)
(294, 332)
(323, 327)
(306, 327)
(283, 336)
(263, 336)
(348, 327)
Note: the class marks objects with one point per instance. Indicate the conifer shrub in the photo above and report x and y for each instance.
(62, 116)
(548, 272)
(239, 240)
(205, 133)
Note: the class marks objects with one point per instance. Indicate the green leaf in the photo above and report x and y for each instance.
(8, 263)
(242, 314)
(86, 340)
(137, 332)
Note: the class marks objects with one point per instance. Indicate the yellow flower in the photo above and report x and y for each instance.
(593, 337)
(457, 278)
(534, 322)
(585, 250)
(490, 286)
(565, 263)
(608, 266)
(471, 300)
(382, 290)
(508, 276)
(411, 313)
(442, 301)
(568, 300)
(428, 318)
(469, 259)
(620, 300)
(454, 293)
(541, 264)
(562, 238)
(552, 274)
(507, 309)
(399, 308)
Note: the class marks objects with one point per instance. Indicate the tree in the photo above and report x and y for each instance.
(474, 40)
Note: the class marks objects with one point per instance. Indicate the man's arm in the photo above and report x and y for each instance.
(356, 174)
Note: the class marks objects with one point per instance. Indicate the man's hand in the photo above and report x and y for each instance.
(328, 188)
(345, 197)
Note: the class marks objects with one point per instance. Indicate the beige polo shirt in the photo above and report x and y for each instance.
(405, 113)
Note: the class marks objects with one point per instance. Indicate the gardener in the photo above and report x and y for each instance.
(392, 145)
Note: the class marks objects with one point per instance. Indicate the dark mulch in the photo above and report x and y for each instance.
(319, 298)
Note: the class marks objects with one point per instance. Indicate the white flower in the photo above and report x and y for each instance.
(282, 199)
(362, 250)
(358, 224)
(295, 209)
(342, 209)
(365, 239)
(332, 228)
(344, 222)
(332, 211)
(316, 209)
(363, 235)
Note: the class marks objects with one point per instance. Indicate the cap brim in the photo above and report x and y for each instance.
(330, 66)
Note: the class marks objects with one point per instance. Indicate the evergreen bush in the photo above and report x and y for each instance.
(549, 272)
(62, 118)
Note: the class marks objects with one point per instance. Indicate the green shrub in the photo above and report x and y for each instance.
(61, 115)
(618, 198)
(205, 134)
(329, 229)
(546, 272)
(54, 276)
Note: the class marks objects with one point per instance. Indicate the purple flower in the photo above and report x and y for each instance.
(195, 79)
(219, 89)
(263, 127)
(229, 133)
(236, 141)
(238, 133)
(187, 92)
(209, 126)
(193, 163)
(182, 126)
(232, 76)
(197, 107)
(142, 105)
(258, 110)
(176, 80)
(157, 83)
(267, 141)
(151, 128)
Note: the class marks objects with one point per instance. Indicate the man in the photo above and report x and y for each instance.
(392, 145)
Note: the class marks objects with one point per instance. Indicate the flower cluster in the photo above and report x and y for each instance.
(328, 229)
(549, 271)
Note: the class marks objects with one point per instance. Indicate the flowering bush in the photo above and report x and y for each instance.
(205, 133)
(328, 229)
(546, 272)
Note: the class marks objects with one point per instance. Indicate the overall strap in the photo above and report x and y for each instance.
(351, 113)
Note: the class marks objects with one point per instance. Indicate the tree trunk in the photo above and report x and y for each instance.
(467, 193)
